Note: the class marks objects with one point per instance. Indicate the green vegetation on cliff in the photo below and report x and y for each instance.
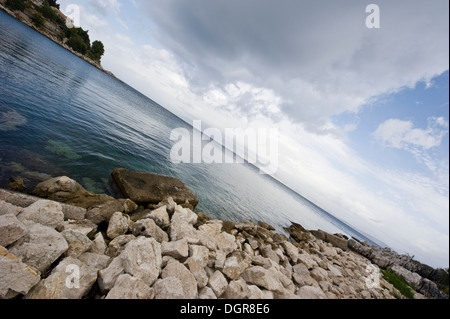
(399, 283)
(76, 38)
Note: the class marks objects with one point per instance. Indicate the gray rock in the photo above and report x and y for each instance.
(307, 261)
(44, 212)
(95, 261)
(128, 205)
(301, 275)
(430, 289)
(261, 261)
(148, 188)
(16, 199)
(66, 190)
(336, 241)
(147, 227)
(176, 249)
(73, 212)
(103, 212)
(71, 279)
(117, 245)
(11, 229)
(161, 217)
(15, 276)
(206, 293)
(218, 283)
(262, 277)
(78, 243)
(200, 254)
(168, 288)
(9, 209)
(142, 259)
(310, 292)
(184, 214)
(235, 265)
(188, 282)
(99, 245)
(266, 251)
(180, 229)
(58, 188)
(40, 247)
(128, 287)
(319, 274)
(107, 277)
(118, 225)
(237, 289)
(256, 293)
(86, 227)
(291, 251)
(198, 271)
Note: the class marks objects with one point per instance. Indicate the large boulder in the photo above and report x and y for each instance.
(148, 188)
(337, 241)
(44, 212)
(66, 190)
(40, 247)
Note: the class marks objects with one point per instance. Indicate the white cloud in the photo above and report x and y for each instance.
(304, 52)
(402, 134)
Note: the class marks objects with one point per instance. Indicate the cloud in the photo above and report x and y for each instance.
(303, 51)
(403, 135)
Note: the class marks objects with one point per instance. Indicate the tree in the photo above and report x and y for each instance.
(77, 43)
(48, 12)
(97, 50)
(53, 3)
(16, 4)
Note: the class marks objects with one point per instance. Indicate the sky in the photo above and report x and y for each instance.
(362, 113)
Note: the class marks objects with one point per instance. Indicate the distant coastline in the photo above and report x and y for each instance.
(25, 19)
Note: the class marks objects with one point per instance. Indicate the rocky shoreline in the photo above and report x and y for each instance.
(76, 244)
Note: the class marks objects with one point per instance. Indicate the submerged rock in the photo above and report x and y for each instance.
(10, 119)
(148, 188)
(62, 149)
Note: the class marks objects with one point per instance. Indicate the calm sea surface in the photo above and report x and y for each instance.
(61, 116)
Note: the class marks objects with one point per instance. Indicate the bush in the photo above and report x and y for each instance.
(37, 19)
(399, 283)
(48, 12)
